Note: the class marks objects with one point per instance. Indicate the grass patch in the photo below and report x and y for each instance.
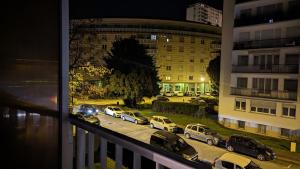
(183, 120)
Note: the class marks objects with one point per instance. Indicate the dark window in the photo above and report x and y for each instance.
(292, 59)
(273, 111)
(291, 85)
(202, 41)
(181, 39)
(241, 124)
(243, 105)
(200, 129)
(190, 77)
(285, 111)
(253, 109)
(285, 132)
(243, 60)
(157, 140)
(242, 82)
(227, 165)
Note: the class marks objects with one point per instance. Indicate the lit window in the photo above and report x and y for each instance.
(168, 77)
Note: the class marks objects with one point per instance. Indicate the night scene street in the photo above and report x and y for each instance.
(172, 84)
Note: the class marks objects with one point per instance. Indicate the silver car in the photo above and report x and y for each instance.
(202, 133)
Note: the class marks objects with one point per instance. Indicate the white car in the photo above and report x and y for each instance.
(163, 123)
(231, 160)
(113, 111)
(169, 94)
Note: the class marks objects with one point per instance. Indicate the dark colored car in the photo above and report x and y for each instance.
(88, 109)
(161, 98)
(251, 147)
(134, 117)
(88, 117)
(173, 143)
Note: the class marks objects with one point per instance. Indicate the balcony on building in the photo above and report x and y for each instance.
(277, 14)
(276, 94)
(284, 68)
(268, 43)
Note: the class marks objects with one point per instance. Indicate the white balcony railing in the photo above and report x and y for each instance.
(139, 149)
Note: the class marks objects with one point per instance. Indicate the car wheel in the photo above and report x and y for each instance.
(135, 121)
(209, 142)
(123, 118)
(230, 148)
(187, 135)
(151, 125)
(261, 157)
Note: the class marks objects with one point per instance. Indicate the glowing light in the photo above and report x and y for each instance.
(202, 79)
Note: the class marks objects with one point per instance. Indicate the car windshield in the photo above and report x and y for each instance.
(117, 109)
(167, 121)
(252, 165)
(137, 114)
(181, 144)
(257, 142)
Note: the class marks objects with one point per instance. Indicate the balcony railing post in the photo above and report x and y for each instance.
(119, 156)
(136, 160)
(80, 155)
(103, 152)
(91, 138)
(158, 166)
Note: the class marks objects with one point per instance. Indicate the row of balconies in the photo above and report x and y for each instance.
(261, 19)
(283, 95)
(269, 43)
(265, 68)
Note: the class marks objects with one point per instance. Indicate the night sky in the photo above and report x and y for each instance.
(155, 9)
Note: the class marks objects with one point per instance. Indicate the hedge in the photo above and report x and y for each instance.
(175, 107)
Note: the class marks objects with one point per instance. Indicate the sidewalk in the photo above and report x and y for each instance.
(288, 156)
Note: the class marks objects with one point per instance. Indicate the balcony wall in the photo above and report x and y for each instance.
(283, 95)
(269, 43)
(265, 69)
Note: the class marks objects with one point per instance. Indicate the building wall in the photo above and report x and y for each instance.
(248, 118)
(203, 13)
(181, 57)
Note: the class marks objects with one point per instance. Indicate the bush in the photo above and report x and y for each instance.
(175, 107)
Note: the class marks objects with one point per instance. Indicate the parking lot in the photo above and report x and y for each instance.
(205, 152)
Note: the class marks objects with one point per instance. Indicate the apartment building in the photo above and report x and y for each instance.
(260, 77)
(200, 12)
(181, 50)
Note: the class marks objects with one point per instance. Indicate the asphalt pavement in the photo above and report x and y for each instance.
(205, 152)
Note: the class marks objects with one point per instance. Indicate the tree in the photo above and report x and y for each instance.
(86, 65)
(213, 70)
(134, 75)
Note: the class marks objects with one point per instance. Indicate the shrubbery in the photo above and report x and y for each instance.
(175, 107)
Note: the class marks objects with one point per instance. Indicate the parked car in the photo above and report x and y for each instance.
(234, 161)
(173, 143)
(198, 101)
(88, 117)
(88, 109)
(113, 111)
(169, 94)
(161, 98)
(202, 133)
(163, 123)
(250, 146)
(134, 117)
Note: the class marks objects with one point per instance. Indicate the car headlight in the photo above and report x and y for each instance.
(268, 153)
(97, 110)
(89, 111)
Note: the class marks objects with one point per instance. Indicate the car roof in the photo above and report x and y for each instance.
(162, 117)
(197, 124)
(237, 135)
(236, 159)
(165, 135)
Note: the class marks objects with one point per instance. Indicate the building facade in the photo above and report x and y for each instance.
(200, 12)
(181, 50)
(260, 77)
